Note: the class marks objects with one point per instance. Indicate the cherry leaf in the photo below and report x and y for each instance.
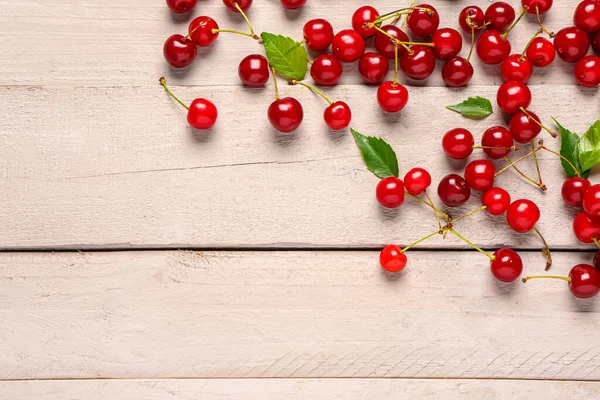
(379, 156)
(474, 107)
(569, 149)
(589, 147)
(287, 56)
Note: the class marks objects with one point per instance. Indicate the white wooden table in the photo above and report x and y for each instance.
(141, 260)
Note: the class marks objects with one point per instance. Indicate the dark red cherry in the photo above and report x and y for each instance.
(587, 71)
(326, 70)
(523, 128)
(512, 96)
(573, 191)
(586, 227)
(454, 191)
(423, 20)
(507, 265)
(537, 6)
(254, 70)
(499, 15)
(491, 47)
(587, 16)
(522, 215)
(348, 45)
(338, 115)
(541, 52)
(516, 68)
(373, 67)
(418, 63)
(392, 97)
(390, 192)
(243, 4)
(384, 44)
(596, 42)
(447, 43)
(201, 31)
(475, 16)
(318, 34)
(202, 114)
(498, 142)
(181, 6)
(457, 72)
(363, 16)
(286, 114)
(497, 200)
(179, 51)
(458, 143)
(571, 44)
(417, 180)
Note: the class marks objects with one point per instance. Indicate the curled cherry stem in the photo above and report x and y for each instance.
(461, 237)
(546, 249)
(564, 159)
(314, 89)
(163, 82)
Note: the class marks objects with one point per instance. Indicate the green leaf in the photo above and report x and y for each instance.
(474, 107)
(569, 149)
(287, 56)
(379, 156)
(589, 147)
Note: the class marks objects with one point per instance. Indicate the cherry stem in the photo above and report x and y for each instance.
(522, 14)
(564, 159)
(563, 278)
(546, 31)
(412, 3)
(537, 165)
(533, 181)
(461, 237)
(195, 29)
(472, 40)
(392, 38)
(437, 217)
(314, 89)
(163, 82)
(251, 35)
(419, 241)
(519, 160)
(469, 214)
(434, 208)
(550, 131)
(275, 83)
(546, 249)
(595, 240)
(396, 65)
(237, 6)
(496, 148)
(405, 10)
(522, 58)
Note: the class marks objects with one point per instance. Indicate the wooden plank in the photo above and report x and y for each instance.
(288, 315)
(125, 46)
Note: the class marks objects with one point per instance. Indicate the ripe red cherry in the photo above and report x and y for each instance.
(497, 200)
(243, 4)
(447, 43)
(516, 68)
(541, 52)
(507, 265)
(522, 215)
(457, 72)
(512, 96)
(479, 174)
(416, 181)
(418, 63)
(573, 191)
(202, 114)
(571, 44)
(587, 71)
(384, 44)
(596, 42)
(476, 16)
(200, 30)
(285, 114)
(326, 70)
(373, 67)
(591, 201)
(292, 4)
(364, 15)
(586, 227)
(254, 70)
(498, 142)
(491, 47)
(587, 16)
(318, 34)
(584, 281)
(423, 22)
(454, 191)
(390, 192)
(179, 51)
(458, 143)
(181, 6)
(348, 45)
(392, 97)
(537, 6)
(499, 15)
(392, 259)
(523, 128)
(338, 115)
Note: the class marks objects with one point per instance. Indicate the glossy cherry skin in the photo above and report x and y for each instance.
(479, 174)
(373, 67)
(522, 215)
(362, 16)
(516, 68)
(458, 143)
(348, 45)
(524, 129)
(292, 4)
(318, 34)
(596, 42)
(179, 51)
(499, 15)
(338, 115)
(447, 43)
(326, 70)
(416, 181)
(507, 265)
(587, 16)
(200, 31)
(181, 6)
(501, 141)
(587, 71)
(243, 4)
(202, 114)
(541, 52)
(418, 63)
(254, 70)
(286, 114)
(422, 22)
(512, 96)
(571, 44)
(537, 6)
(497, 201)
(573, 190)
(492, 48)
(392, 259)
(390, 192)
(585, 281)
(591, 201)
(392, 97)
(384, 44)
(457, 72)
(586, 227)
(476, 17)
(454, 191)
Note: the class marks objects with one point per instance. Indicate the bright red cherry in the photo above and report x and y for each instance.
(243, 4)
(418, 63)
(457, 72)
(476, 17)
(338, 115)
(392, 97)
(286, 114)
(181, 6)
(447, 43)
(423, 22)
(458, 143)
(587, 16)
(499, 15)
(201, 31)
(479, 174)
(586, 227)
(537, 6)
(179, 51)
(541, 52)
(318, 34)
(522, 215)
(416, 181)
(363, 16)
(373, 67)
(516, 68)
(392, 259)
(454, 191)
(384, 44)
(591, 201)
(497, 200)
(512, 96)
(507, 265)
(326, 70)
(571, 44)
(202, 114)
(596, 42)
(254, 70)
(292, 4)
(587, 71)
(498, 142)
(390, 192)
(523, 128)
(584, 281)
(348, 45)
(491, 47)
(573, 191)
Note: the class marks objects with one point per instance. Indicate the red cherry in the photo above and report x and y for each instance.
(181, 6)
(522, 215)
(202, 114)
(423, 22)
(292, 4)
(363, 16)
(447, 43)
(596, 42)
(491, 47)
(454, 191)
(497, 200)
(254, 70)
(571, 44)
(587, 16)
(458, 143)
(573, 191)
(243, 4)
(586, 227)
(338, 115)
(417, 180)
(479, 174)
(507, 265)
(373, 67)
(476, 16)
(179, 51)
(285, 114)
(200, 31)
(326, 70)
(348, 45)
(390, 192)
(498, 142)
(591, 201)
(384, 44)
(587, 71)
(524, 129)
(392, 259)
(392, 97)
(499, 15)
(418, 63)
(512, 96)
(584, 281)
(541, 52)
(318, 34)
(537, 6)
(457, 72)
(516, 68)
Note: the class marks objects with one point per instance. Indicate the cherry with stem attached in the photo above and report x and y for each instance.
(285, 114)
(202, 113)
(337, 115)
(583, 279)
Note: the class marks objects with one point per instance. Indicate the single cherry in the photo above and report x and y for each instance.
(512, 96)
(373, 67)
(458, 143)
(417, 180)
(338, 115)
(243, 4)
(423, 20)
(591, 201)
(522, 215)
(523, 128)
(418, 63)
(292, 4)
(516, 68)
(571, 44)
(392, 259)
(318, 34)
(390, 192)
(181, 6)
(491, 47)
(363, 16)
(326, 70)
(587, 16)
(584, 280)
(179, 51)
(475, 16)
(587, 71)
(254, 70)
(201, 31)
(447, 43)
(537, 6)
(479, 174)
(202, 113)
(392, 97)
(457, 72)
(541, 52)
(499, 15)
(348, 45)
(573, 191)
(497, 200)
(497, 142)
(454, 191)
(507, 265)
(586, 227)
(384, 44)
(285, 114)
